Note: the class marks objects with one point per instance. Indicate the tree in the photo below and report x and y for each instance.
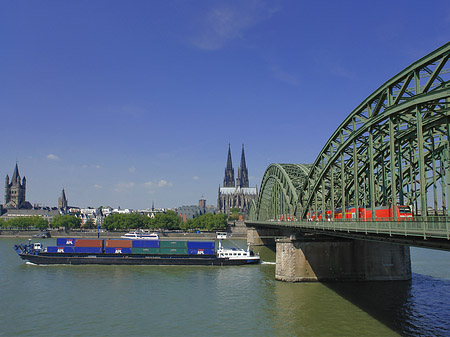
(89, 224)
(66, 221)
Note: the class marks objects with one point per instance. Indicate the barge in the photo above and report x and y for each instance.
(134, 252)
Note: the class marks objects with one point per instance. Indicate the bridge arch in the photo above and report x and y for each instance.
(280, 192)
(392, 149)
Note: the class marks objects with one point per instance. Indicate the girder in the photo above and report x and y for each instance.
(392, 149)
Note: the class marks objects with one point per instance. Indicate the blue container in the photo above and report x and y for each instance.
(200, 244)
(206, 251)
(65, 242)
(91, 250)
(116, 250)
(61, 249)
(145, 243)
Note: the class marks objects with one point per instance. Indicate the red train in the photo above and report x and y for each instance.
(381, 213)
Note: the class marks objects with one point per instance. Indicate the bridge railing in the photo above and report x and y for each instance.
(425, 227)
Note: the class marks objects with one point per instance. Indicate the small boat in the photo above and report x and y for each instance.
(141, 235)
(221, 235)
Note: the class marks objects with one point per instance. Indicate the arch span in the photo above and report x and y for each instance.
(392, 149)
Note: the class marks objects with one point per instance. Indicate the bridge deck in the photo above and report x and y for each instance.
(432, 232)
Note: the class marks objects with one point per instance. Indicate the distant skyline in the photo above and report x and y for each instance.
(124, 103)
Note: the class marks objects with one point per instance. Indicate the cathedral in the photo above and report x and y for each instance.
(15, 192)
(236, 193)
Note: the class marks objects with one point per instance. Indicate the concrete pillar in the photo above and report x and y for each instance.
(322, 259)
(262, 236)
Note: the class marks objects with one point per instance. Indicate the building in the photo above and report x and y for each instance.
(62, 201)
(236, 194)
(192, 211)
(16, 205)
(15, 191)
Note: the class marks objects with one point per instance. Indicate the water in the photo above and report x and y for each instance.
(216, 301)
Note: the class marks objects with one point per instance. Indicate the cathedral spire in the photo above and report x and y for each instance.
(228, 181)
(242, 171)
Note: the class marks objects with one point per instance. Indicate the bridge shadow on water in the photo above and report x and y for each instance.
(419, 307)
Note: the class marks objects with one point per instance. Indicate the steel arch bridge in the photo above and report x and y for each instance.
(393, 149)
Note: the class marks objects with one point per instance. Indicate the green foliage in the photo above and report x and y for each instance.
(67, 221)
(28, 222)
(169, 220)
(208, 222)
(89, 224)
(126, 221)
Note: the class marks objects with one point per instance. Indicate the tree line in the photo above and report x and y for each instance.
(169, 220)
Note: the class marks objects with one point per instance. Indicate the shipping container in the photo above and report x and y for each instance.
(119, 243)
(200, 251)
(60, 249)
(173, 244)
(200, 244)
(90, 250)
(145, 250)
(173, 251)
(65, 242)
(117, 250)
(89, 243)
(145, 243)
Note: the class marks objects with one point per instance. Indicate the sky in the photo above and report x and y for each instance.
(125, 103)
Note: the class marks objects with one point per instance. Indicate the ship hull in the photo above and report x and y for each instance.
(132, 259)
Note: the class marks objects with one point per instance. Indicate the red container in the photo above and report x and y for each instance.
(89, 243)
(119, 243)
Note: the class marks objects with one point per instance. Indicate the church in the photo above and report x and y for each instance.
(15, 191)
(236, 193)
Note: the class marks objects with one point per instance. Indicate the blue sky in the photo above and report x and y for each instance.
(126, 102)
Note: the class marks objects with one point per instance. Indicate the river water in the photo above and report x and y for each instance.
(216, 301)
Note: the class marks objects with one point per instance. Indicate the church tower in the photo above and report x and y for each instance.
(62, 200)
(242, 174)
(15, 190)
(228, 181)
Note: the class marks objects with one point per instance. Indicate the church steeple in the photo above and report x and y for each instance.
(242, 178)
(228, 181)
(15, 191)
(16, 176)
(62, 201)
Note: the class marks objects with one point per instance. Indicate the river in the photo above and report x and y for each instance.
(216, 301)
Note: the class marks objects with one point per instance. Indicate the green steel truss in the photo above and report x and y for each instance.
(392, 149)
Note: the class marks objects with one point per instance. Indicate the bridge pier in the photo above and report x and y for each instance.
(309, 259)
(262, 236)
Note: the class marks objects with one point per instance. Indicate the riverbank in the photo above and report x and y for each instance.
(115, 234)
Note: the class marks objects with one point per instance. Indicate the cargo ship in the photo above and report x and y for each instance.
(134, 252)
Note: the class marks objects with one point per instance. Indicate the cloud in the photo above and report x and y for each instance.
(229, 21)
(284, 76)
(124, 186)
(132, 169)
(164, 183)
(52, 156)
(196, 178)
(98, 187)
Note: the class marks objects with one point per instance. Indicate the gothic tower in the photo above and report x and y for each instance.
(228, 181)
(15, 191)
(242, 174)
(62, 200)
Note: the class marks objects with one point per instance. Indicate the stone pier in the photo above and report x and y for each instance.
(262, 236)
(306, 259)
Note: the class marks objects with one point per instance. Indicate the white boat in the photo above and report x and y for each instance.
(237, 253)
(141, 235)
(221, 235)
